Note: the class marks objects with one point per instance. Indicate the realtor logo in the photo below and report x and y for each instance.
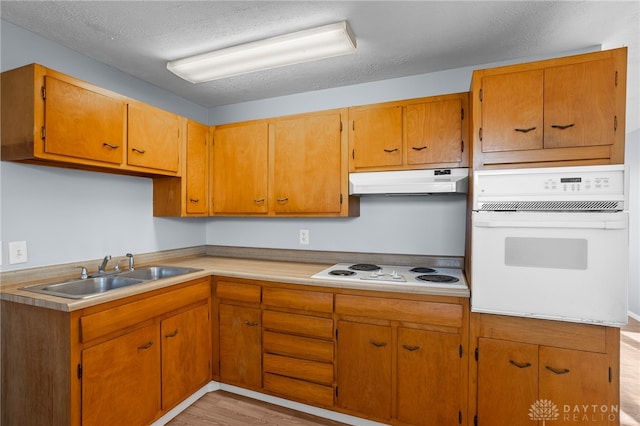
(543, 409)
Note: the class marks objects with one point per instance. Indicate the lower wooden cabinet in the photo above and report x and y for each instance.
(121, 379)
(529, 369)
(240, 338)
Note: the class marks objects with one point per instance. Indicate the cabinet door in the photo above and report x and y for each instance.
(429, 371)
(239, 171)
(434, 132)
(83, 124)
(377, 136)
(186, 354)
(579, 104)
(364, 369)
(512, 111)
(240, 346)
(308, 166)
(197, 170)
(578, 380)
(121, 379)
(153, 138)
(507, 382)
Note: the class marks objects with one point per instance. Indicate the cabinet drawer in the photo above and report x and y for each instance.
(446, 314)
(298, 299)
(238, 291)
(298, 324)
(114, 319)
(299, 390)
(313, 371)
(300, 347)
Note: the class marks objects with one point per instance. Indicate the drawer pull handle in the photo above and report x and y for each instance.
(251, 323)
(557, 371)
(174, 334)
(525, 130)
(418, 148)
(194, 200)
(520, 364)
(108, 145)
(139, 151)
(259, 200)
(411, 348)
(147, 346)
(562, 127)
(377, 344)
(391, 150)
(282, 200)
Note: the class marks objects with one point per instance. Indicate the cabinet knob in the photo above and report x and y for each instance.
(251, 323)
(557, 370)
(377, 344)
(147, 346)
(562, 126)
(391, 150)
(174, 334)
(138, 151)
(411, 348)
(418, 148)
(110, 146)
(527, 130)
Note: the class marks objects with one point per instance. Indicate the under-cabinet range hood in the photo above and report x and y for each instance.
(410, 182)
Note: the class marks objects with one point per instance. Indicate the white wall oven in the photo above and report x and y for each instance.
(551, 243)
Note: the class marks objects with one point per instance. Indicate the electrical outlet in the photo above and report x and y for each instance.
(304, 237)
(17, 252)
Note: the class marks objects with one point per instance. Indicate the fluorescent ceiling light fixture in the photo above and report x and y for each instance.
(295, 48)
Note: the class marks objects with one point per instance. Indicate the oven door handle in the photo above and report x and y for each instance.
(591, 224)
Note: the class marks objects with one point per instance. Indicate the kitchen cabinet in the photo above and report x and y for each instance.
(154, 138)
(53, 119)
(240, 327)
(283, 166)
(298, 345)
(401, 361)
(239, 172)
(121, 379)
(104, 363)
(412, 134)
(187, 196)
(565, 111)
(524, 365)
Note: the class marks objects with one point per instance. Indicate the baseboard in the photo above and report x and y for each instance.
(309, 409)
(634, 316)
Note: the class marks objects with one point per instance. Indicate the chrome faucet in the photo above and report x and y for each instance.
(103, 265)
(131, 264)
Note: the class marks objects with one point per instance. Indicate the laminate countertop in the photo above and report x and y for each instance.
(255, 269)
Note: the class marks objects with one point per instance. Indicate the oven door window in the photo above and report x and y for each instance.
(557, 253)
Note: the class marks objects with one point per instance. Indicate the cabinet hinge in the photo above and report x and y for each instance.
(43, 133)
(460, 417)
(336, 333)
(480, 134)
(353, 125)
(353, 154)
(336, 391)
(615, 123)
(616, 79)
(461, 146)
(480, 95)
(341, 127)
(460, 351)
(610, 375)
(461, 113)
(475, 420)
(340, 198)
(475, 354)
(43, 93)
(79, 371)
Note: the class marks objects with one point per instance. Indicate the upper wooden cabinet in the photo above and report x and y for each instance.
(561, 111)
(413, 134)
(239, 170)
(153, 138)
(285, 166)
(54, 119)
(189, 195)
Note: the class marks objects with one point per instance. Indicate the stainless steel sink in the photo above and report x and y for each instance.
(81, 289)
(152, 273)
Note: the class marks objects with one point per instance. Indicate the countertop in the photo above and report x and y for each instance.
(264, 270)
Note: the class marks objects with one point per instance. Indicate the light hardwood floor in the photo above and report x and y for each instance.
(227, 409)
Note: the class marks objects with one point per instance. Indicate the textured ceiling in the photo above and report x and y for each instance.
(395, 38)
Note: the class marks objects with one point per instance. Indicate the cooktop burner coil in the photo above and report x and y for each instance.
(437, 278)
(422, 270)
(341, 272)
(364, 267)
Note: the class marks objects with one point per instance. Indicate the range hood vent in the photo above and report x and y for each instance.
(410, 182)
